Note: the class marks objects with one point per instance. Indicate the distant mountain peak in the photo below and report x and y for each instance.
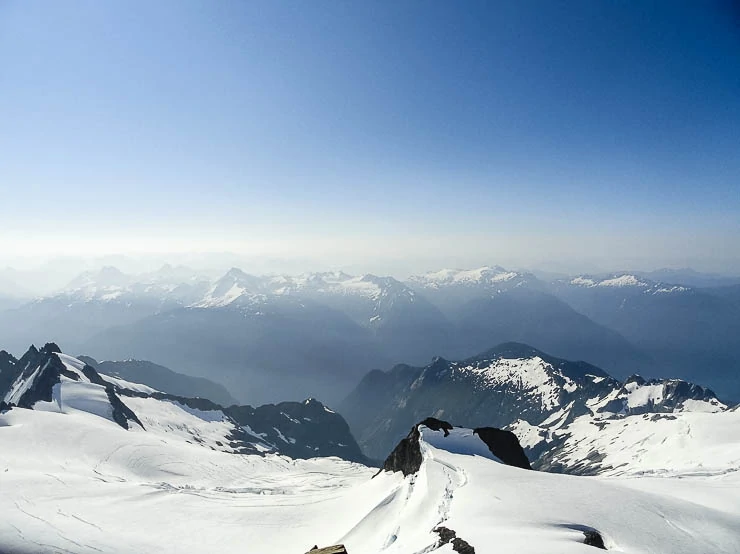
(626, 281)
(462, 277)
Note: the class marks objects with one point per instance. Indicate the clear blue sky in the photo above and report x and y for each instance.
(516, 132)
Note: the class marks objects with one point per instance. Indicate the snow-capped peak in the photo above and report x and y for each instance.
(235, 285)
(626, 281)
(486, 275)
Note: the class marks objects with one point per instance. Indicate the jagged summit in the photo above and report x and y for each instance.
(511, 386)
(49, 381)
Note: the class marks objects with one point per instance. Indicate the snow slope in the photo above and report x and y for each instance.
(77, 482)
(679, 444)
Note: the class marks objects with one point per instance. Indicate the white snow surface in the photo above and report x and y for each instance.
(678, 444)
(446, 277)
(642, 395)
(530, 375)
(73, 481)
(123, 384)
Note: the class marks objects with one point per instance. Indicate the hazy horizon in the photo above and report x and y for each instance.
(40, 276)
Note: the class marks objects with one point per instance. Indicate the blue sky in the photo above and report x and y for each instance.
(525, 133)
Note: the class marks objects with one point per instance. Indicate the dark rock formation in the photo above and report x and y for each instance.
(447, 536)
(504, 445)
(406, 457)
(51, 348)
(593, 538)
(122, 414)
(8, 372)
(336, 549)
(437, 425)
(307, 429)
(51, 368)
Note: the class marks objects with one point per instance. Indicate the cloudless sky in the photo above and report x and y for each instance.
(522, 132)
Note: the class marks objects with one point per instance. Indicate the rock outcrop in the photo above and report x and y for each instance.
(336, 549)
(449, 536)
(407, 458)
(593, 538)
(504, 445)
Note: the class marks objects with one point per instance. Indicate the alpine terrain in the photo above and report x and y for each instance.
(94, 463)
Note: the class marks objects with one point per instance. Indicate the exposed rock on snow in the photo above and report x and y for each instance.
(336, 549)
(593, 538)
(407, 456)
(447, 536)
(504, 445)
(437, 425)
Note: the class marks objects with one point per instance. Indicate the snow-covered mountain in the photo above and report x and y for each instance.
(96, 301)
(449, 289)
(265, 336)
(495, 278)
(625, 282)
(490, 305)
(177, 285)
(367, 299)
(75, 481)
(47, 380)
(687, 332)
(522, 388)
(689, 277)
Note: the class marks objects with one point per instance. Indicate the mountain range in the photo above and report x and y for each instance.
(273, 337)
